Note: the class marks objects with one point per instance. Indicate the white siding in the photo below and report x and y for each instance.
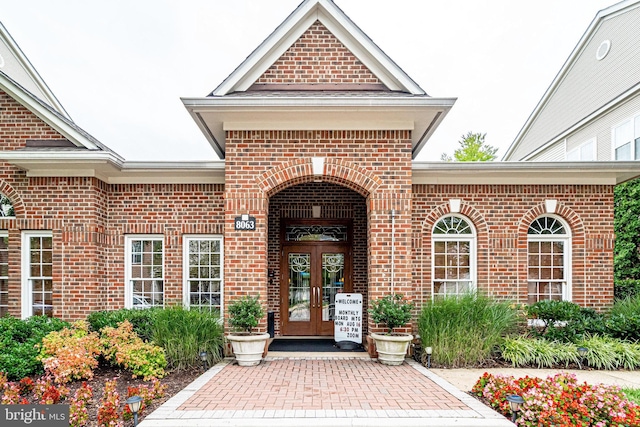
(554, 153)
(14, 69)
(589, 83)
(601, 128)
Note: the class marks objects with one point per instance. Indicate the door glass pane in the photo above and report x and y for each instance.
(299, 287)
(332, 283)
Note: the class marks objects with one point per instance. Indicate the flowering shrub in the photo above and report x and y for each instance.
(11, 394)
(70, 353)
(78, 415)
(122, 346)
(559, 401)
(108, 411)
(147, 393)
(48, 393)
(26, 385)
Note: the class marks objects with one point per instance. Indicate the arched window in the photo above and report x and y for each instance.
(6, 207)
(548, 255)
(454, 257)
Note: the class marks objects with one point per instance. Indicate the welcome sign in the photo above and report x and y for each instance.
(348, 319)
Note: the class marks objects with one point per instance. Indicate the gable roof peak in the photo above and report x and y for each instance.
(341, 26)
(19, 68)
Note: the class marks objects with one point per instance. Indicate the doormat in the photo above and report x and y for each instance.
(311, 345)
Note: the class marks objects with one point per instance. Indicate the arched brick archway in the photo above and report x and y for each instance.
(334, 171)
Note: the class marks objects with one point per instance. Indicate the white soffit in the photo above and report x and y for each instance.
(340, 26)
(216, 115)
(524, 173)
(113, 170)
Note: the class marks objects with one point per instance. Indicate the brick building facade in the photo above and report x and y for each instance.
(318, 130)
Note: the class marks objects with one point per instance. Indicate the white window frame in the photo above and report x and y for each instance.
(186, 288)
(566, 238)
(5, 234)
(579, 148)
(128, 288)
(634, 122)
(473, 255)
(27, 288)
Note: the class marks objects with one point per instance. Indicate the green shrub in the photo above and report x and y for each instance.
(602, 353)
(522, 351)
(18, 340)
(185, 333)
(553, 312)
(565, 321)
(464, 331)
(245, 313)
(623, 289)
(393, 311)
(121, 346)
(611, 353)
(141, 319)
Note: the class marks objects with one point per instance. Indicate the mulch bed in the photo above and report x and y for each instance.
(175, 382)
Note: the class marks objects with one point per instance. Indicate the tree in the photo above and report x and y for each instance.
(626, 223)
(473, 148)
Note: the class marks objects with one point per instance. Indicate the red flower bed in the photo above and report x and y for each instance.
(559, 401)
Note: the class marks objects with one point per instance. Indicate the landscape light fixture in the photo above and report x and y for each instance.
(582, 352)
(428, 350)
(514, 402)
(134, 403)
(203, 357)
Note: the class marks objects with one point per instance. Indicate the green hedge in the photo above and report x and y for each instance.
(623, 289)
(18, 344)
(142, 320)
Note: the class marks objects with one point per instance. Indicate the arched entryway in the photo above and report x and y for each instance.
(317, 247)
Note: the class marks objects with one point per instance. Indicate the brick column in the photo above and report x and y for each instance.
(389, 258)
(245, 251)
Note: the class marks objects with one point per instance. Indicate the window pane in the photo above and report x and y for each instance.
(623, 134)
(205, 266)
(146, 264)
(624, 152)
(586, 151)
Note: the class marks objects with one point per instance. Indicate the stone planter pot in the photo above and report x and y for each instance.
(248, 349)
(392, 349)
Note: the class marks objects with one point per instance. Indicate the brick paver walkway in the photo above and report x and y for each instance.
(315, 392)
(292, 384)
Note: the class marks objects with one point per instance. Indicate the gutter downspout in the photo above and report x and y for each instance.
(393, 249)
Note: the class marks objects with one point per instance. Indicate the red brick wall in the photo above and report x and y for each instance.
(170, 210)
(318, 58)
(17, 125)
(501, 215)
(376, 164)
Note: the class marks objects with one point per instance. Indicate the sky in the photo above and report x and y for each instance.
(120, 67)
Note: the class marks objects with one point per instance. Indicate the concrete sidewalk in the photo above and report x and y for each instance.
(313, 391)
(464, 379)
